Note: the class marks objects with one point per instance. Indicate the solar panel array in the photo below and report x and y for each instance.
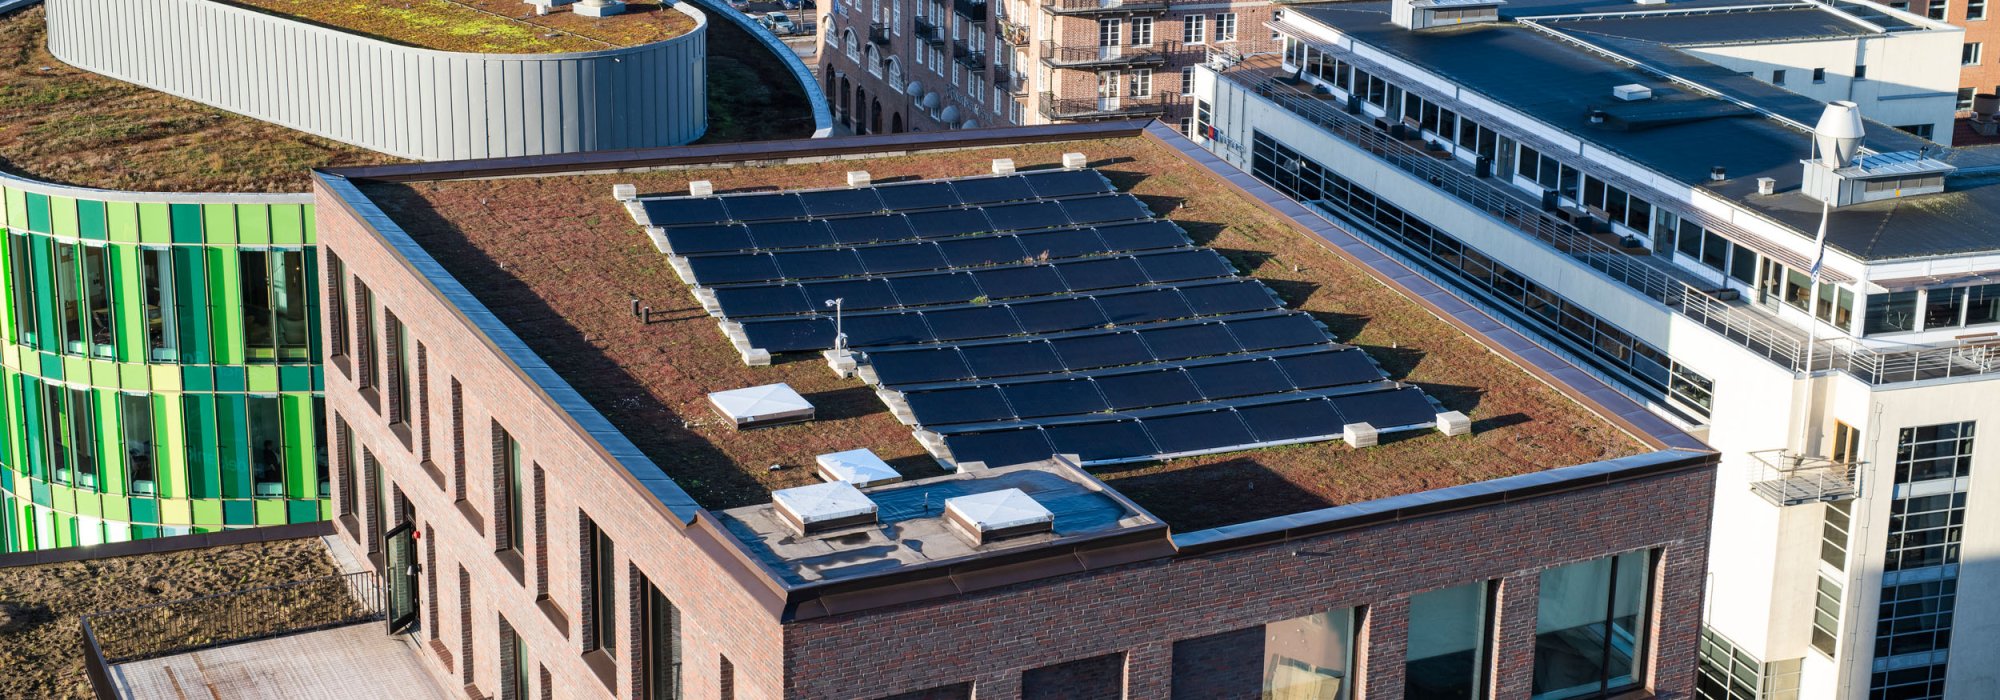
(1013, 317)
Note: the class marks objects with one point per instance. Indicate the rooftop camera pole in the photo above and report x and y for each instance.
(839, 335)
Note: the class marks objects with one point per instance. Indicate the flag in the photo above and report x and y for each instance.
(1819, 242)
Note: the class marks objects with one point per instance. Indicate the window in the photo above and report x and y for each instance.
(1186, 125)
(97, 297)
(1860, 72)
(322, 472)
(399, 366)
(1590, 626)
(138, 425)
(83, 433)
(1142, 82)
(1225, 26)
(514, 659)
(267, 437)
(1311, 656)
(1187, 83)
(457, 441)
(1142, 31)
(1975, 9)
(1934, 452)
(1730, 672)
(1890, 313)
(1964, 99)
(343, 439)
(24, 285)
(1450, 631)
(1108, 31)
(1969, 53)
(661, 645)
(600, 588)
(1834, 527)
(336, 313)
(507, 486)
(1819, 75)
(157, 290)
(1826, 616)
(272, 285)
(1942, 308)
(364, 317)
(1936, 9)
(1193, 30)
(1777, 77)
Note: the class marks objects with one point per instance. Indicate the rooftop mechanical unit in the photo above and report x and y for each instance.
(1424, 14)
(761, 406)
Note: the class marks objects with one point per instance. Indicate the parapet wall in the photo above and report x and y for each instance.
(407, 102)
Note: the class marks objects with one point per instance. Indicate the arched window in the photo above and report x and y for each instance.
(894, 68)
(874, 61)
(852, 44)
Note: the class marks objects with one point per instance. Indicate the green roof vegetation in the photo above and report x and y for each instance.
(484, 26)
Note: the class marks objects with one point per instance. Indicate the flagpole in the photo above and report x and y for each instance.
(1812, 325)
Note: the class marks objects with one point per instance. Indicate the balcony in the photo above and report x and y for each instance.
(1787, 478)
(968, 56)
(1013, 34)
(1086, 7)
(1088, 109)
(974, 10)
(927, 32)
(1093, 57)
(878, 34)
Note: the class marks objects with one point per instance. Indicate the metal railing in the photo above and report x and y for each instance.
(1075, 109)
(971, 9)
(968, 55)
(927, 32)
(183, 626)
(1787, 478)
(1060, 56)
(1013, 81)
(878, 33)
(1070, 7)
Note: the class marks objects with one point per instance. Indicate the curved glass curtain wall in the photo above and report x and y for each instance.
(156, 361)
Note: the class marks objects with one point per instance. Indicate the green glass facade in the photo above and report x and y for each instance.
(157, 371)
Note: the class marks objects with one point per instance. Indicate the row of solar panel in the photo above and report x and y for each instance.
(1142, 387)
(989, 284)
(1183, 430)
(924, 256)
(1083, 351)
(773, 206)
(887, 228)
(998, 320)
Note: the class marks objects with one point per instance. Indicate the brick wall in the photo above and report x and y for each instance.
(1210, 608)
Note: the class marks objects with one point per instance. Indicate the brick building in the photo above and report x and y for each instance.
(516, 376)
(1012, 62)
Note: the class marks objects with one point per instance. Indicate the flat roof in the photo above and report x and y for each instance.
(1681, 133)
(484, 26)
(68, 126)
(1747, 25)
(519, 245)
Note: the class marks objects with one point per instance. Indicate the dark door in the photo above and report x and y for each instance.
(399, 576)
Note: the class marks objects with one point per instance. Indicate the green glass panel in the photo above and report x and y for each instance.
(145, 532)
(288, 224)
(129, 308)
(87, 504)
(191, 304)
(198, 416)
(186, 222)
(76, 369)
(17, 208)
(134, 377)
(312, 319)
(238, 513)
(230, 378)
(253, 224)
(233, 445)
(111, 449)
(219, 223)
(122, 221)
(64, 498)
(156, 223)
(169, 437)
(42, 493)
(45, 294)
(208, 512)
(312, 228)
(225, 308)
(197, 378)
(38, 212)
(301, 511)
(270, 511)
(145, 510)
(295, 378)
(90, 220)
(103, 373)
(26, 393)
(62, 217)
(262, 379)
(301, 479)
(116, 508)
(52, 365)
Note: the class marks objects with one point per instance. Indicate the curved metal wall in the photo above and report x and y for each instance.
(408, 102)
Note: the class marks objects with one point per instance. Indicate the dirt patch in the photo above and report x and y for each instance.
(40, 642)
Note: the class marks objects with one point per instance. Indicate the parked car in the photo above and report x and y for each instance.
(779, 23)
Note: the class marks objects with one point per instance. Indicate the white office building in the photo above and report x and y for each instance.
(1638, 186)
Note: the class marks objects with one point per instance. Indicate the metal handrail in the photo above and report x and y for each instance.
(1063, 7)
(1053, 107)
(1787, 478)
(182, 626)
(1063, 56)
(927, 31)
(971, 9)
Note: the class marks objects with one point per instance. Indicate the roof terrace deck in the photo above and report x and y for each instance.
(500, 238)
(483, 26)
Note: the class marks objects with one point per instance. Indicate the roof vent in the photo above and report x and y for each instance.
(857, 178)
(1424, 14)
(1003, 166)
(1718, 174)
(982, 518)
(1767, 185)
(1454, 423)
(1839, 175)
(761, 406)
(1632, 92)
(624, 193)
(835, 505)
(858, 467)
(1359, 435)
(701, 188)
(1074, 161)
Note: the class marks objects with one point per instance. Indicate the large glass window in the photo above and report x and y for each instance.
(507, 455)
(662, 655)
(138, 425)
(1941, 308)
(364, 321)
(190, 290)
(336, 312)
(69, 306)
(602, 593)
(321, 473)
(1449, 635)
(55, 431)
(1982, 304)
(21, 259)
(267, 467)
(97, 299)
(157, 290)
(1311, 657)
(1890, 313)
(254, 282)
(400, 365)
(1590, 632)
(83, 436)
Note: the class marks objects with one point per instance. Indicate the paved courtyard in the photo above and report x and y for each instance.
(357, 661)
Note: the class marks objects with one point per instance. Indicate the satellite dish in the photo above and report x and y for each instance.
(949, 115)
(969, 124)
(915, 89)
(931, 101)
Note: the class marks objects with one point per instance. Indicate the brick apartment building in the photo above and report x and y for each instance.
(1013, 62)
(517, 376)
(1981, 66)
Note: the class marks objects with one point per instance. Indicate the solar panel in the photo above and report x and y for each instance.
(1292, 420)
(772, 300)
(1026, 216)
(1332, 368)
(1066, 183)
(733, 268)
(812, 264)
(999, 448)
(1198, 432)
(1185, 265)
(871, 229)
(791, 234)
(886, 329)
(1099, 351)
(1010, 359)
(923, 290)
(1058, 315)
(971, 323)
(1387, 409)
(1064, 243)
(1107, 273)
(978, 404)
(922, 195)
(906, 257)
(1008, 282)
(1117, 207)
(918, 366)
(1279, 332)
(1144, 307)
(1231, 380)
(948, 222)
(790, 335)
(1229, 298)
(1101, 441)
(854, 295)
(859, 200)
(680, 212)
(1061, 397)
(1160, 387)
(982, 250)
(1144, 235)
(763, 207)
(689, 240)
(1183, 342)
(981, 190)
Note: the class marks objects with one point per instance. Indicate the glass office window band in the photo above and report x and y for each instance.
(1590, 629)
(1449, 643)
(1311, 657)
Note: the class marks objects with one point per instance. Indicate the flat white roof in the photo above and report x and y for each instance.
(859, 467)
(832, 500)
(995, 510)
